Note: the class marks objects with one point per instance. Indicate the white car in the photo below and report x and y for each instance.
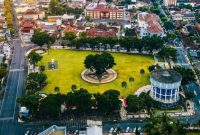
(111, 130)
(134, 130)
(127, 129)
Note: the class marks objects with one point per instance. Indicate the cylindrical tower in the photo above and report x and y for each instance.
(165, 86)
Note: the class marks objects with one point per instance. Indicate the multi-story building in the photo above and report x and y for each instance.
(149, 25)
(102, 10)
(170, 2)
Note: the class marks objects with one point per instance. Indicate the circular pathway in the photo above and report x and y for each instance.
(90, 77)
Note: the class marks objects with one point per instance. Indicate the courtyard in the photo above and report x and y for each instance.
(70, 65)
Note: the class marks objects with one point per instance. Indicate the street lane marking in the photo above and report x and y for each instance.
(6, 118)
(16, 70)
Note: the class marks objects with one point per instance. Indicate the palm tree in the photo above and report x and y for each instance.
(124, 84)
(57, 89)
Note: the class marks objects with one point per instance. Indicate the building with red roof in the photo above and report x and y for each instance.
(28, 26)
(102, 10)
(102, 31)
(34, 14)
(149, 25)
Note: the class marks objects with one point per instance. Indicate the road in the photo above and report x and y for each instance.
(14, 88)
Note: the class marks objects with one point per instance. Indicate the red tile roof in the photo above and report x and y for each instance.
(152, 21)
(69, 28)
(27, 25)
(30, 12)
(102, 31)
(105, 8)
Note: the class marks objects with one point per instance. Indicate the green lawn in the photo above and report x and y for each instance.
(193, 133)
(70, 66)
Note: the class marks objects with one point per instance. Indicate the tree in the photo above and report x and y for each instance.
(31, 102)
(99, 63)
(131, 79)
(130, 32)
(83, 35)
(88, 18)
(142, 72)
(163, 125)
(83, 100)
(3, 72)
(69, 36)
(40, 78)
(40, 38)
(169, 25)
(50, 106)
(147, 101)
(189, 95)
(34, 58)
(168, 52)
(124, 84)
(57, 89)
(134, 104)
(154, 67)
(188, 75)
(152, 43)
(108, 102)
(73, 87)
(127, 42)
(51, 41)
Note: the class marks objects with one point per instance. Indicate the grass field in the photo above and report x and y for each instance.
(70, 66)
(193, 133)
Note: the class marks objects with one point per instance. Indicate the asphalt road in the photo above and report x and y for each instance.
(14, 87)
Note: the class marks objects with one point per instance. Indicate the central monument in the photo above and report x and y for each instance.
(99, 68)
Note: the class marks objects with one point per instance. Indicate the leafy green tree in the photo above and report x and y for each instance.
(83, 100)
(57, 89)
(99, 63)
(131, 79)
(189, 95)
(127, 42)
(50, 106)
(124, 84)
(40, 78)
(3, 72)
(169, 25)
(188, 75)
(142, 72)
(83, 35)
(31, 86)
(152, 43)
(51, 41)
(31, 102)
(34, 58)
(108, 102)
(163, 125)
(40, 38)
(147, 101)
(73, 87)
(69, 36)
(134, 104)
(168, 52)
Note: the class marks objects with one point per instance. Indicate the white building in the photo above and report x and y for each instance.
(170, 2)
(149, 25)
(94, 130)
(165, 86)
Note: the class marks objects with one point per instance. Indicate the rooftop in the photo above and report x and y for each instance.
(166, 76)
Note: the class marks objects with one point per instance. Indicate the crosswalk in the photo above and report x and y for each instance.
(16, 70)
